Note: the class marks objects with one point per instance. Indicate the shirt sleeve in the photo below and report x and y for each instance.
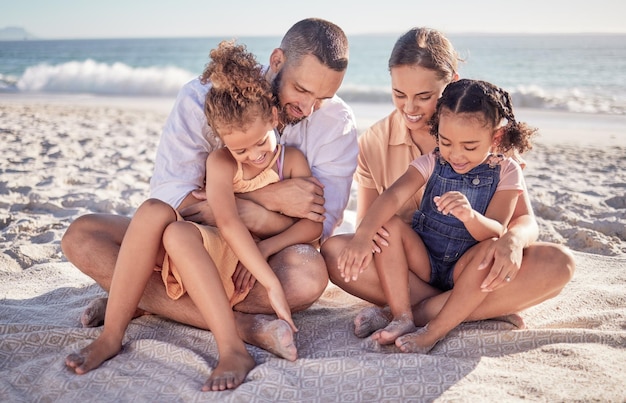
(511, 176)
(186, 140)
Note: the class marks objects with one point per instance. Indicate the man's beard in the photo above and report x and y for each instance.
(283, 115)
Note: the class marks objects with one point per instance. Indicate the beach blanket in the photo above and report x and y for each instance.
(573, 349)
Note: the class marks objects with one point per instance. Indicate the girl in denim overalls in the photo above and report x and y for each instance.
(470, 195)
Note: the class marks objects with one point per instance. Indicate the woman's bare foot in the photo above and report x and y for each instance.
(513, 318)
(268, 333)
(93, 315)
(92, 356)
(371, 319)
(398, 327)
(420, 341)
(230, 372)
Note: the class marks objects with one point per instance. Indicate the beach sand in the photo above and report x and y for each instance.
(65, 156)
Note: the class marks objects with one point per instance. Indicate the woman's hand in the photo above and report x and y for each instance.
(503, 257)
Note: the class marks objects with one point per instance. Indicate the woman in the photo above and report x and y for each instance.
(422, 63)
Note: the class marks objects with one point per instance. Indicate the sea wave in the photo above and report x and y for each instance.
(91, 77)
(536, 97)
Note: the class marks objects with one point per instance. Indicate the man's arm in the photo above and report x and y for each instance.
(185, 143)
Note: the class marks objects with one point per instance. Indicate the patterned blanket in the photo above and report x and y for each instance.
(574, 349)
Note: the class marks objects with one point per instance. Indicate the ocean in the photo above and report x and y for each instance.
(575, 72)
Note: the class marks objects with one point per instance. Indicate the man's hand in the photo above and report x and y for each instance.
(199, 212)
(296, 197)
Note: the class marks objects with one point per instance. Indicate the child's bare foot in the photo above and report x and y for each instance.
(420, 341)
(512, 318)
(93, 315)
(397, 327)
(371, 319)
(230, 372)
(273, 335)
(92, 356)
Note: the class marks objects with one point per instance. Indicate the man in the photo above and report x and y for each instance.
(305, 73)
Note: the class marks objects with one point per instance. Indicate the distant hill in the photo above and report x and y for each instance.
(15, 34)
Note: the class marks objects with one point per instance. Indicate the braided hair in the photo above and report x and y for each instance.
(239, 93)
(494, 106)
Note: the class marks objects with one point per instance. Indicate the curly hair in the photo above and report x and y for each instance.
(239, 93)
(427, 48)
(489, 103)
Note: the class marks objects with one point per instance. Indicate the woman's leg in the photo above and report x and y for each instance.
(141, 249)
(546, 268)
(201, 279)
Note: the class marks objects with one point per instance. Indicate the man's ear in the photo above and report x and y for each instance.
(277, 60)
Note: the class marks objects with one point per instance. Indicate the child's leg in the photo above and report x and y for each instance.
(464, 298)
(139, 252)
(406, 250)
(201, 279)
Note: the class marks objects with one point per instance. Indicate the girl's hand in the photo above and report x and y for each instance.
(279, 303)
(455, 203)
(355, 258)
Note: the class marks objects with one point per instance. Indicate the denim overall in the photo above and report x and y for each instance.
(445, 236)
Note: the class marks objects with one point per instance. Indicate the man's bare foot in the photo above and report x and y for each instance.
(92, 356)
(393, 330)
(93, 315)
(513, 318)
(371, 319)
(230, 372)
(420, 341)
(269, 333)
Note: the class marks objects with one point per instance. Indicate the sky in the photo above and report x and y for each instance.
(80, 19)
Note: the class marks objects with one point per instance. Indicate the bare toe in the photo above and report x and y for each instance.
(420, 342)
(230, 372)
(371, 319)
(393, 330)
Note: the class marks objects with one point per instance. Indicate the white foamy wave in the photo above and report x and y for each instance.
(92, 77)
(571, 100)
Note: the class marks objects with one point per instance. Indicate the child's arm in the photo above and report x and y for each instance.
(491, 225)
(357, 255)
(220, 196)
(303, 230)
(500, 209)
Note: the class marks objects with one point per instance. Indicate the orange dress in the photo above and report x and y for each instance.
(222, 255)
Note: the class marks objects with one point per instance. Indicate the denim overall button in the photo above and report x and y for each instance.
(476, 181)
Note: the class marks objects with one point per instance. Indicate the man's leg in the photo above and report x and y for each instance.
(302, 273)
(92, 244)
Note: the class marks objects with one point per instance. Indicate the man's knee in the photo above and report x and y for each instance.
(302, 272)
(76, 237)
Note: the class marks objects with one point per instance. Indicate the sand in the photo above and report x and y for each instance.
(65, 156)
